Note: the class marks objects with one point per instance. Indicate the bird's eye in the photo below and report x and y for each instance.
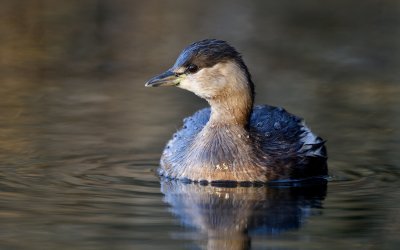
(192, 68)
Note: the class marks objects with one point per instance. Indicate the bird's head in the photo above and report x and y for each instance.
(209, 68)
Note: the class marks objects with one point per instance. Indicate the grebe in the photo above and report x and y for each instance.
(234, 141)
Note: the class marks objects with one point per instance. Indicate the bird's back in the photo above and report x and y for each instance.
(281, 136)
(287, 139)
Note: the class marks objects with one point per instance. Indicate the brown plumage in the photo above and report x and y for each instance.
(234, 141)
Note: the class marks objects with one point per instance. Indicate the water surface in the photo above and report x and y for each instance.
(80, 136)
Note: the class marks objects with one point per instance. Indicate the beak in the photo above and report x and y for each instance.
(168, 78)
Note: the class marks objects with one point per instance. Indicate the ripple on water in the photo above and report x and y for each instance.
(97, 199)
(84, 197)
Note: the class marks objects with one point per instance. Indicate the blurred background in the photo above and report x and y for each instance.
(80, 136)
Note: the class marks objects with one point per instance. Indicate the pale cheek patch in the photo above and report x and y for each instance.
(211, 77)
(210, 82)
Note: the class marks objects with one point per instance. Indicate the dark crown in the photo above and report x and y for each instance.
(208, 52)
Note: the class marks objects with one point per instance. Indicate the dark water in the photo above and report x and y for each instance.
(80, 136)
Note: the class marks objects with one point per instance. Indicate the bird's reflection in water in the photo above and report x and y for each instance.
(226, 217)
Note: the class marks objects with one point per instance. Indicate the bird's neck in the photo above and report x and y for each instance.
(233, 108)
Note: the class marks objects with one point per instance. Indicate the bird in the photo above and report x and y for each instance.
(233, 140)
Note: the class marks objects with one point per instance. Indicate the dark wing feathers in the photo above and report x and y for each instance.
(280, 131)
(288, 140)
(192, 125)
(280, 134)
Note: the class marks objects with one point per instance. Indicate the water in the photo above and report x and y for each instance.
(80, 136)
